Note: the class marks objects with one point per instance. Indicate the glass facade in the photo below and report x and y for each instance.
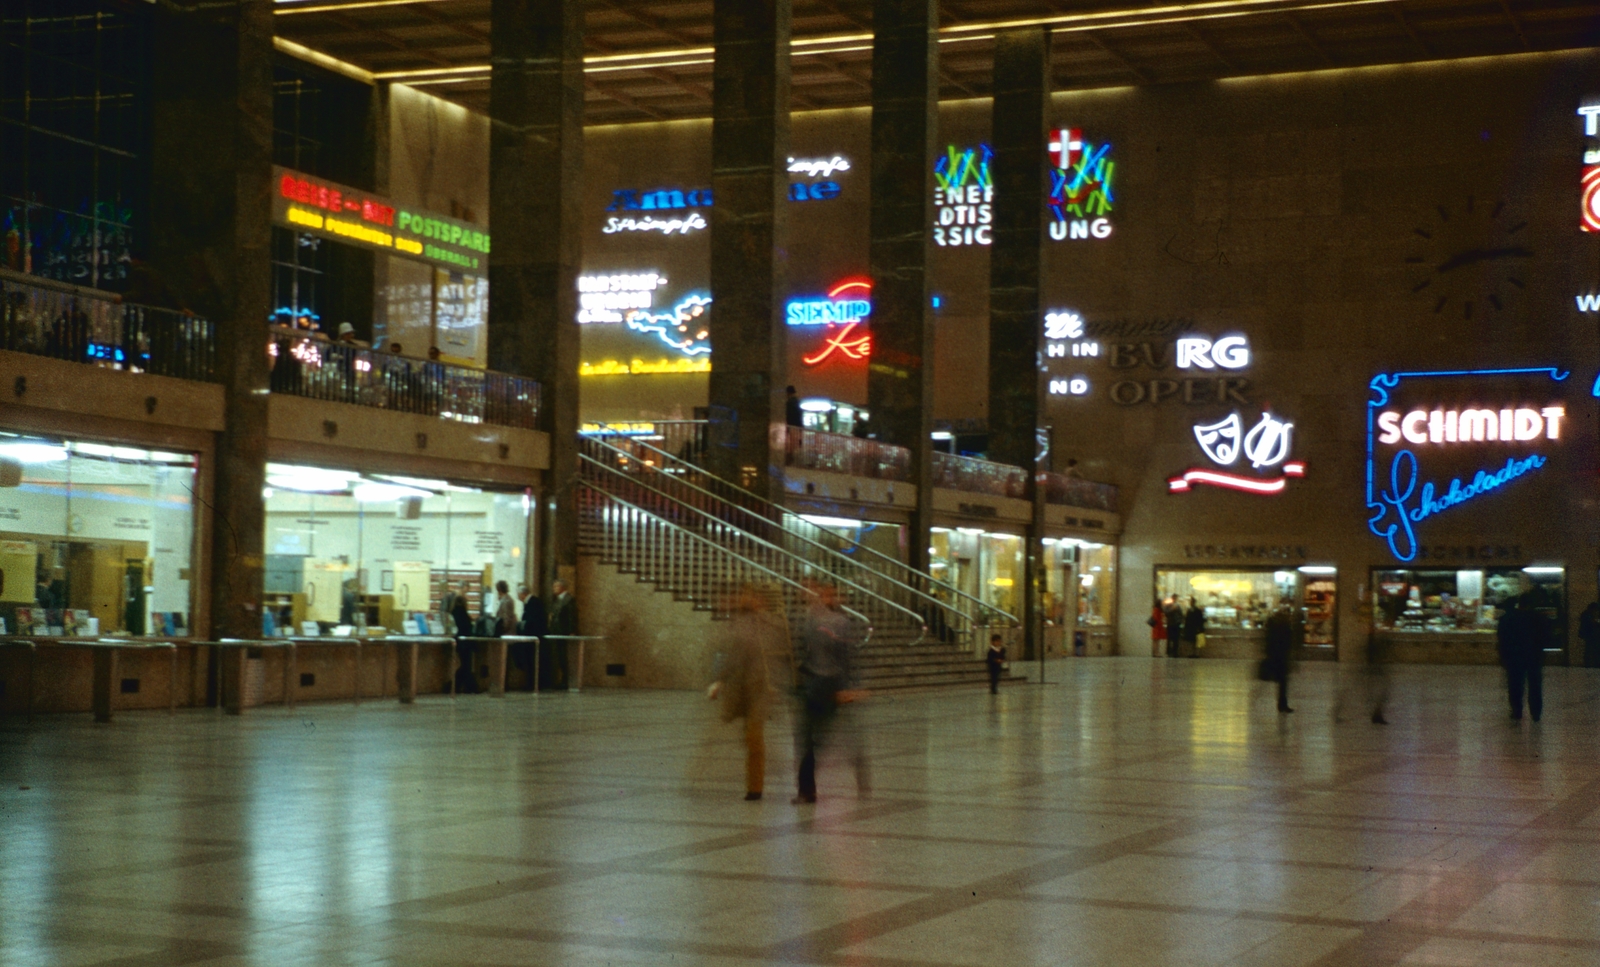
(1080, 583)
(1464, 601)
(1243, 599)
(984, 564)
(96, 539)
(354, 553)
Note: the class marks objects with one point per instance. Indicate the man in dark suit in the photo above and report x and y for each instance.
(563, 621)
(531, 625)
(1524, 633)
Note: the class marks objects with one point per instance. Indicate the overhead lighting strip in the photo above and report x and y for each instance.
(844, 43)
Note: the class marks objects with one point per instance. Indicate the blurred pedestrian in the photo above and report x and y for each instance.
(461, 618)
(1194, 629)
(1174, 614)
(563, 623)
(1280, 638)
(753, 641)
(1158, 628)
(996, 660)
(1524, 633)
(1589, 631)
(823, 660)
(532, 625)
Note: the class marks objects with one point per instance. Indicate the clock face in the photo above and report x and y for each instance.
(1469, 260)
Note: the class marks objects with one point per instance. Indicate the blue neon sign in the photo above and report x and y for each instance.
(823, 312)
(1395, 510)
(683, 327)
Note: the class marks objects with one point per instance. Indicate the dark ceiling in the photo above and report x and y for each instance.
(442, 46)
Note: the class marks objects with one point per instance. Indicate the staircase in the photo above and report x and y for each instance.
(694, 536)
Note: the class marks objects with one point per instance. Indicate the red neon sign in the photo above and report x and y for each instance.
(1232, 481)
(308, 192)
(846, 342)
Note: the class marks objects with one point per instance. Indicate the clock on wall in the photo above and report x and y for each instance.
(1468, 259)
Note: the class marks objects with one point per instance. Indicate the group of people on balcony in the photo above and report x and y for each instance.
(347, 370)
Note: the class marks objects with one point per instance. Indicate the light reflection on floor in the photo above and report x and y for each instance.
(1133, 811)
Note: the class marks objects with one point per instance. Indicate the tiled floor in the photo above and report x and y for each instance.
(1133, 812)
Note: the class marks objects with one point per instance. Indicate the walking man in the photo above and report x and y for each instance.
(1524, 633)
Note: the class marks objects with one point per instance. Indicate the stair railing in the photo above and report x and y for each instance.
(600, 476)
(662, 552)
(757, 514)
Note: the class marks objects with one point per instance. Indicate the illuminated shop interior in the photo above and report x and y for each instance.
(357, 553)
(1081, 581)
(95, 539)
(1466, 601)
(984, 564)
(886, 539)
(1243, 599)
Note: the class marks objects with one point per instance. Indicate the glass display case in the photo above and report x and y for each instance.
(1467, 601)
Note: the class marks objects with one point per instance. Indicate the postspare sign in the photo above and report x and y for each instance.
(326, 208)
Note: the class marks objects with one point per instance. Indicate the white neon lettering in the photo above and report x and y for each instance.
(1267, 442)
(1589, 112)
(1079, 386)
(1505, 425)
(1058, 387)
(1478, 426)
(1436, 426)
(1414, 419)
(1231, 352)
(818, 167)
(1100, 228)
(1552, 421)
(1194, 351)
(1389, 427)
(1055, 349)
(1450, 426)
(1063, 324)
(1527, 424)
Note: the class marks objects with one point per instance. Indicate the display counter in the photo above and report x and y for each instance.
(1235, 643)
(1440, 647)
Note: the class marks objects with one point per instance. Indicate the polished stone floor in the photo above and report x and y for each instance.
(1131, 812)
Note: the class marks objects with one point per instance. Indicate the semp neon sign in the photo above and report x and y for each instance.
(843, 312)
(1265, 445)
(1399, 500)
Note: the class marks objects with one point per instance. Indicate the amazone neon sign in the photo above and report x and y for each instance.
(1399, 500)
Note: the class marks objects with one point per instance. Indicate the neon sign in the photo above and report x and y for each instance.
(818, 167)
(1080, 186)
(346, 214)
(847, 306)
(963, 196)
(1224, 442)
(1229, 352)
(640, 367)
(1589, 208)
(607, 298)
(694, 222)
(1406, 501)
(683, 327)
(1074, 386)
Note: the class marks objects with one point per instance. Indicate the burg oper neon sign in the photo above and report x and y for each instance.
(1398, 500)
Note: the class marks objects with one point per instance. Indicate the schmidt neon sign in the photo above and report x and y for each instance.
(1401, 440)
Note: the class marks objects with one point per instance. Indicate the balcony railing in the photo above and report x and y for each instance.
(1072, 492)
(341, 373)
(62, 321)
(976, 476)
(837, 453)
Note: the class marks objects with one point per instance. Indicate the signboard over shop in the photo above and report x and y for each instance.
(326, 208)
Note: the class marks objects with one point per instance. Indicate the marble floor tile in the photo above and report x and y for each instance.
(1130, 813)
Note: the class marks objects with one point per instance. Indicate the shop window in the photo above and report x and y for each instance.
(1243, 599)
(1097, 583)
(350, 553)
(1466, 601)
(1080, 582)
(1000, 577)
(95, 539)
(879, 543)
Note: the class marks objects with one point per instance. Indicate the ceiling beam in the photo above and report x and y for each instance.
(350, 23)
(1216, 51)
(465, 30)
(1310, 38)
(1400, 15)
(1516, 24)
(1127, 64)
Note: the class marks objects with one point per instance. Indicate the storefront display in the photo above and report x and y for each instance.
(353, 553)
(888, 540)
(984, 564)
(95, 538)
(1463, 601)
(1238, 602)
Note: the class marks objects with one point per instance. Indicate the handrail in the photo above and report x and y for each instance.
(779, 511)
(706, 541)
(766, 544)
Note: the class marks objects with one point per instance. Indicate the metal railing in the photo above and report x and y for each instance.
(976, 476)
(312, 367)
(946, 608)
(694, 567)
(1072, 492)
(46, 318)
(837, 453)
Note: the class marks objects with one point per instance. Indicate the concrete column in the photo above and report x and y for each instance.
(535, 199)
(210, 230)
(749, 274)
(905, 124)
(1021, 110)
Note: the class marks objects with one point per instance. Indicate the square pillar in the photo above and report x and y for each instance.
(1021, 114)
(535, 199)
(749, 274)
(210, 231)
(905, 124)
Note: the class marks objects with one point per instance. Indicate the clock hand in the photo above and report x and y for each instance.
(1474, 255)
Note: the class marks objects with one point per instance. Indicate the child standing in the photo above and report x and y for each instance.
(996, 660)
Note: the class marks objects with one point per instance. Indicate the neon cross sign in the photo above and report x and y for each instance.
(847, 306)
(1396, 506)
